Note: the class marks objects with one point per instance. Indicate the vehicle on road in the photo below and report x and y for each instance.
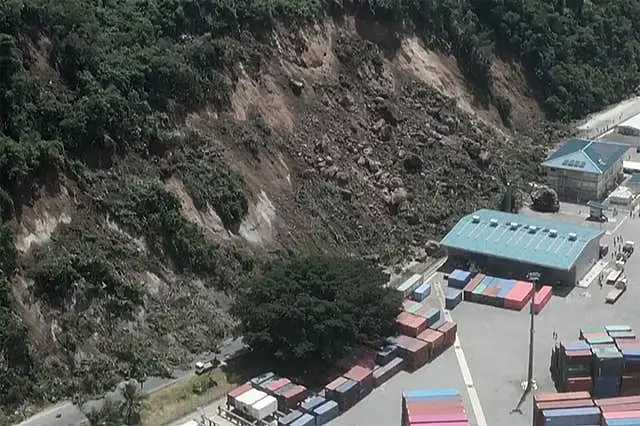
(616, 292)
(204, 366)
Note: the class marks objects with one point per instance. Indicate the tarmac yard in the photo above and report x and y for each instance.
(495, 344)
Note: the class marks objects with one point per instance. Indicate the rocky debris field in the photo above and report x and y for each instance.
(383, 163)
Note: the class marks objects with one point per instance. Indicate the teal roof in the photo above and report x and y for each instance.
(529, 241)
(590, 156)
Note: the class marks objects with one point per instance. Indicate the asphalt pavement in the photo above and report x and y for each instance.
(68, 414)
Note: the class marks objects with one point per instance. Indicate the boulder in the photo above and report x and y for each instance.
(545, 199)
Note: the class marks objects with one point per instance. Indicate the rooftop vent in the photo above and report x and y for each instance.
(533, 229)
(475, 218)
(493, 222)
(572, 236)
(513, 225)
(553, 233)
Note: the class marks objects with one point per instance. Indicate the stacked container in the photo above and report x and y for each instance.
(435, 341)
(364, 377)
(471, 285)
(262, 378)
(326, 412)
(545, 402)
(607, 370)
(459, 278)
(313, 401)
(422, 292)
(519, 295)
(289, 418)
(383, 373)
(304, 420)
(432, 315)
(235, 393)
(619, 411)
(407, 287)
(452, 298)
(290, 396)
(245, 402)
(630, 382)
(433, 407)
(572, 370)
(263, 408)
(541, 298)
(273, 386)
(415, 352)
(449, 330)
(411, 306)
(410, 324)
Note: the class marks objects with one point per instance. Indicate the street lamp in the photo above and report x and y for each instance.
(530, 383)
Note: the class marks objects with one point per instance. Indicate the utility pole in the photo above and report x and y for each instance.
(530, 383)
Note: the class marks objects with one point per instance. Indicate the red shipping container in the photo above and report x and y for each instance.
(433, 408)
(617, 401)
(471, 285)
(541, 298)
(362, 375)
(449, 329)
(519, 295)
(578, 384)
(231, 396)
(434, 418)
(557, 396)
(622, 415)
(620, 407)
(277, 384)
(434, 340)
(410, 324)
(336, 383)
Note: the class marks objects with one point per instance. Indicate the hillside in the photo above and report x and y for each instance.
(155, 154)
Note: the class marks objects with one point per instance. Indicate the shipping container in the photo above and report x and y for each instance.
(235, 393)
(422, 292)
(585, 416)
(291, 396)
(415, 352)
(247, 399)
(363, 376)
(452, 298)
(407, 287)
(541, 298)
(304, 420)
(519, 295)
(459, 278)
(311, 402)
(387, 371)
(289, 418)
(473, 283)
(410, 324)
(263, 408)
(326, 412)
(275, 385)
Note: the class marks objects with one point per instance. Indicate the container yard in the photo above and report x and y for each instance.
(578, 408)
(605, 361)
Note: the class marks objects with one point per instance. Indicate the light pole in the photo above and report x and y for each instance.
(530, 383)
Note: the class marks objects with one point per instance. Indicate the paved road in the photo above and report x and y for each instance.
(70, 414)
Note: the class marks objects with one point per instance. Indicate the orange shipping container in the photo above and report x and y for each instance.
(410, 324)
(362, 375)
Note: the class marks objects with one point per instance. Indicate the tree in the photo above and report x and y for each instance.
(314, 308)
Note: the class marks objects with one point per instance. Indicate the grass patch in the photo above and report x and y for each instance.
(184, 397)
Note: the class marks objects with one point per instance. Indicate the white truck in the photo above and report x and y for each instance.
(619, 288)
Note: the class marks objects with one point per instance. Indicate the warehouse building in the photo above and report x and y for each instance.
(582, 170)
(512, 245)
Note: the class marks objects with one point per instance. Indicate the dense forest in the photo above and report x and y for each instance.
(86, 83)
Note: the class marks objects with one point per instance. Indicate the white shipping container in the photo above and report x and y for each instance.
(190, 423)
(247, 399)
(264, 408)
(407, 287)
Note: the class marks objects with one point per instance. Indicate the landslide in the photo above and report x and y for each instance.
(154, 155)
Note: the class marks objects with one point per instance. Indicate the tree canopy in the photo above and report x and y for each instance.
(315, 308)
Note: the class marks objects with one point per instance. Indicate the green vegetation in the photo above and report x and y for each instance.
(314, 309)
(91, 90)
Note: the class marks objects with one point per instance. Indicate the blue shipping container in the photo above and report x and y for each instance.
(312, 402)
(436, 325)
(622, 422)
(422, 292)
(617, 328)
(429, 393)
(289, 418)
(262, 378)
(572, 416)
(326, 412)
(452, 298)
(347, 386)
(304, 420)
(577, 346)
(459, 278)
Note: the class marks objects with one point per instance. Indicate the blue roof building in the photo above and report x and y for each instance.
(582, 169)
(516, 244)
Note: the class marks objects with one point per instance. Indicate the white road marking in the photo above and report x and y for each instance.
(462, 362)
